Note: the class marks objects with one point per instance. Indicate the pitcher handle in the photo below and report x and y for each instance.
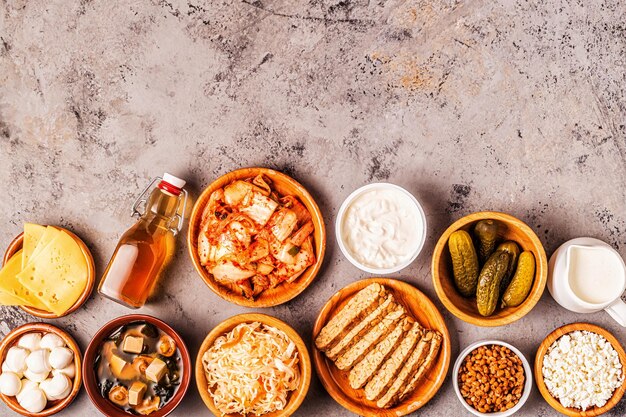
(617, 310)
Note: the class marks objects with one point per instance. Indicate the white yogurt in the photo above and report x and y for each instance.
(382, 227)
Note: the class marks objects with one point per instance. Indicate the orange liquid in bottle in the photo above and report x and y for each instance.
(142, 253)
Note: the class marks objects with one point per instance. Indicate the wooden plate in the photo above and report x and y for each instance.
(17, 243)
(285, 291)
(465, 308)
(54, 406)
(336, 381)
(295, 398)
(543, 349)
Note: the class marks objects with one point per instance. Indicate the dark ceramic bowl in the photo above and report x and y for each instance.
(89, 375)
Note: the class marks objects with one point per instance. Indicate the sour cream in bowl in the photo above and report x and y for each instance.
(381, 228)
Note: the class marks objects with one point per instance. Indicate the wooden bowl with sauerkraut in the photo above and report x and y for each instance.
(253, 364)
(256, 237)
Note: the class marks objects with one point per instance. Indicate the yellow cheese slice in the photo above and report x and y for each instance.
(32, 235)
(58, 274)
(11, 287)
(48, 236)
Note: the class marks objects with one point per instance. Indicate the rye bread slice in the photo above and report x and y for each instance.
(363, 327)
(359, 306)
(380, 383)
(369, 341)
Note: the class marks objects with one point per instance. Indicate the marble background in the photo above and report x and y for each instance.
(517, 106)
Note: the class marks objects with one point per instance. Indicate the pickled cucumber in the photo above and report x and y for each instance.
(487, 232)
(512, 249)
(522, 281)
(488, 289)
(464, 262)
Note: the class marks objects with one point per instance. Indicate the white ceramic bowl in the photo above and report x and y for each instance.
(528, 378)
(340, 218)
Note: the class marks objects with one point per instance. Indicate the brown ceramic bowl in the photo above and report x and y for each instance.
(91, 384)
(285, 291)
(554, 402)
(295, 398)
(53, 407)
(465, 308)
(17, 243)
(336, 381)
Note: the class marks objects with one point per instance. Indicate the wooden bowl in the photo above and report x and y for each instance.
(336, 381)
(17, 243)
(53, 406)
(543, 350)
(285, 291)
(465, 308)
(91, 384)
(295, 397)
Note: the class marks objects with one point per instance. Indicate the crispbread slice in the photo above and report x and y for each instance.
(367, 367)
(359, 306)
(360, 329)
(370, 339)
(411, 366)
(426, 365)
(380, 383)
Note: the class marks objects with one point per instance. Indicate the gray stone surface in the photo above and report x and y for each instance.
(517, 106)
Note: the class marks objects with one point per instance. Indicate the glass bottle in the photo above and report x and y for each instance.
(146, 248)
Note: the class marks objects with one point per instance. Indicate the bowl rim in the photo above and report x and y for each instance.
(541, 270)
(37, 327)
(547, 342)
(96, 340)
(304, 196)
(17, 244)
(321, 362)
(528, 381)
(341, 214)
(227, 325)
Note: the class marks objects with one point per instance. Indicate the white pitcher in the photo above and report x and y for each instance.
(562, 279)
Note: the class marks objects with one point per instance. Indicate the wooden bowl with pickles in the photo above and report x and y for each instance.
(487, 278)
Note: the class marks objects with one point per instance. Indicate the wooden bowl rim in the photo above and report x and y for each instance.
(17, 243)
(89, 375)
(543, 349)
(283, 296)
(295, 398)
(320, 362)
(12, 338)
(516, 313)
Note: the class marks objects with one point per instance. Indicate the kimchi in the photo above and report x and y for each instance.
(252, 238)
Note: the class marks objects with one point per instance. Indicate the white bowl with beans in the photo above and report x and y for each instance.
(496, 375)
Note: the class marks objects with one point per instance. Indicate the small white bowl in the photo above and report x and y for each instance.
(528, 378)
(340, 218)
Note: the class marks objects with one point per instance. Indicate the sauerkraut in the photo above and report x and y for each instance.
(251, 369)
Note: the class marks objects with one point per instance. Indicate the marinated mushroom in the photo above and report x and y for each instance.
(166, 346)
(140, 363)
(148, 406)
(119, 395)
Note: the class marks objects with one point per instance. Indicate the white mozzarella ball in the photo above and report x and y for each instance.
(50, 341)
(10, 384)
(36, 377)
(39, 361)
(64, 394)
(27, 385)
(5, 368)
(16, 359)
(34, 400)
(30, 341)
(61, 357)
(69, 371)
(56, 386)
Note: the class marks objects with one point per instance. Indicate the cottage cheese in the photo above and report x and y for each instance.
(582, 370)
